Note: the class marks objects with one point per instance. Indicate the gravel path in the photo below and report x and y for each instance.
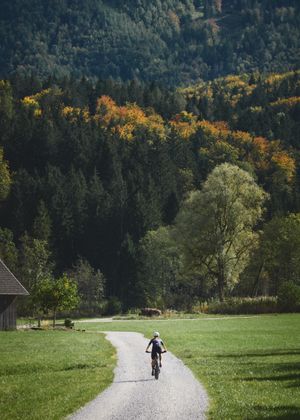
(136, 395)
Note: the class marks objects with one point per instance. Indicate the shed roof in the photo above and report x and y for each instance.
(9, 285)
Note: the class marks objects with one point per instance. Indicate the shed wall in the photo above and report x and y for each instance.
(8, 317)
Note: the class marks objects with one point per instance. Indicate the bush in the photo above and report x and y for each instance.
(150, 312)
(86, 310)
(113, 306)
(200, 308)
(236, 306)
(133, 311)
(69, 323)
(289, 297)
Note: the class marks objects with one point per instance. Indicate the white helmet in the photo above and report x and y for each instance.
(156, 334)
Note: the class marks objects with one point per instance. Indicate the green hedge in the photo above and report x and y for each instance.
(236, 306)
(289, 297)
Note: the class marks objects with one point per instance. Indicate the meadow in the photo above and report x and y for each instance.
(49, 374)
(250, 366)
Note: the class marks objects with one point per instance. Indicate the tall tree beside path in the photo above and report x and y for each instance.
(91, 286)
(214, 228)
(8, 249)
(159, 268)
(34, 267)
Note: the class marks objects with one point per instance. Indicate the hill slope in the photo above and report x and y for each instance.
(91, 176)
(171, 41)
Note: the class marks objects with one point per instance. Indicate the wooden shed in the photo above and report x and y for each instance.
(10, 288)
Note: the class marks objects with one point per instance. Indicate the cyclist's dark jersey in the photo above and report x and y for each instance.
(156, 346)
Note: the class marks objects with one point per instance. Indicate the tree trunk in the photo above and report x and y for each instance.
(221, 282)
(221, 278)
(54, 318)
(257, 280)
(221, 291)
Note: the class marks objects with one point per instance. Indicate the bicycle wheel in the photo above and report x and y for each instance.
(157, 370)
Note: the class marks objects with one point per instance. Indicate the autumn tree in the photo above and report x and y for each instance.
(214, 228)
(5, 180)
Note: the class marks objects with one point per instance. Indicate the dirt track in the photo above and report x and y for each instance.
(136, 395)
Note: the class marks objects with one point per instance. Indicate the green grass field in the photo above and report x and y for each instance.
(49, 374)
(249, 366)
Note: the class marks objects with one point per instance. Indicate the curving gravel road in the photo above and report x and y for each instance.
(136, 395)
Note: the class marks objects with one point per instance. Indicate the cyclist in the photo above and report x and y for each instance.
(156, 351)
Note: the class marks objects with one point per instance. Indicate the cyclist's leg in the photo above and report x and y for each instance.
(153, 361)
(153, 356)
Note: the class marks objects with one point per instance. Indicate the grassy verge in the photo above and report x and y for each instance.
(120, 317)
(249, 366)
(49, 374)
(26, 321)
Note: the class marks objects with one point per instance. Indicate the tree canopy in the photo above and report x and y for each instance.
(281, 250)
(95, 166)
(214, 228)
(171, 41)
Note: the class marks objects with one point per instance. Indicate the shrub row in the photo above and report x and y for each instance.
(289, 297)
(288, 300)
(236, 306)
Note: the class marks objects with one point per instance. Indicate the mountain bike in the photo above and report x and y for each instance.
(156, 366)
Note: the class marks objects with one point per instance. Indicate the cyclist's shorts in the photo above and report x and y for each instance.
(154, 354)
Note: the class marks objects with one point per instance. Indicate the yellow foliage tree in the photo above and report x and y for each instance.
(5, 179)
(128, 120)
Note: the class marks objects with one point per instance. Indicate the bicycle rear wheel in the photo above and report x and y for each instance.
(157, 370)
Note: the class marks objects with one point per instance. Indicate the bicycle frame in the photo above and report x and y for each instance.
(156, 368)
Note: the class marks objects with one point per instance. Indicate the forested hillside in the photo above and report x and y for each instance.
(265, 105)
(171, 41)
(262, 105)
(87, 170)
